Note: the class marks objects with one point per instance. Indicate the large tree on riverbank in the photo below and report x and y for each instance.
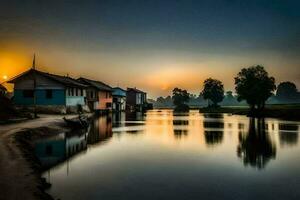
(180, 98)
(213, 90)
(254, 85)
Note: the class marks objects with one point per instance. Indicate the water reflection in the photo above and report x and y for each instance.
(256, 148)
(58, 148)
(100, 129)
(288, 134)
(139, 151)
(135, 116)
(213, 128)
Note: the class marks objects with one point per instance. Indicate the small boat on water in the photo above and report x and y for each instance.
(80, 122)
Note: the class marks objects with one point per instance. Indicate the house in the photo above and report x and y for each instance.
(136, 100)
(48, 92)
(3, 90)
(119, 99)
(99, 95)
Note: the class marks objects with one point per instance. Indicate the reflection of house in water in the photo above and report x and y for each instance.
(101, 129)
(118, 119)
(178, 133)
(213, 128)
(59, 148)
(256, 148)
(135, 116)
(288, 134)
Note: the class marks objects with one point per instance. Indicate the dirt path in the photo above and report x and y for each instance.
(17, 179)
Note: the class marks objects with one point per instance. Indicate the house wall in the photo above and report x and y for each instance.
(75, 96)
(121, 101)
(138, 98)
(58, 97)
(131, 98)
(104, 98)
(75, 100)
(42, 84)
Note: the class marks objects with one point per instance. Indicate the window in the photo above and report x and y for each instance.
(108, 105)
(49, 150)
(76, 90)
(49, 94)
(72, 92)
(81, 92)
(28, 93)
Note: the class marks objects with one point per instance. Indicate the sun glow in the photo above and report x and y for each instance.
(4, 77)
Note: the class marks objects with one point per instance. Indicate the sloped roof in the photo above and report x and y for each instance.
(2, 88)
(96, 84)
(136, 90)
(117, 91)
(118, 88)
(65, 80)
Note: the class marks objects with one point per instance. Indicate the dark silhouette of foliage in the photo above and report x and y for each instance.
(254, 85)
(287, 92)
(213, 90)
(256, 148)
(180, 98)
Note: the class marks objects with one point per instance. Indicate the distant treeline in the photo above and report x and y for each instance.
(287, 93)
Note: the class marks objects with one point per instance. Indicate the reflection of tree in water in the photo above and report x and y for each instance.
(213, 137)
(180, 122)
(288, 134)
(178, 133)
(256, 148)
(214, 115)
(214, 128)
(100, 129)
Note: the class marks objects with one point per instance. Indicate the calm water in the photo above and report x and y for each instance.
(160, 155)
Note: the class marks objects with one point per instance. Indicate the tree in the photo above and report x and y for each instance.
(254, 85)
(213, 90)
(229, 99)
(287, 92)
(180, 97)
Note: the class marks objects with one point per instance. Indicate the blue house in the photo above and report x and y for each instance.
(119, 99)
(49, 92)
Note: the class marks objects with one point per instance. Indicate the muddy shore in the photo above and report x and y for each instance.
(20, 170)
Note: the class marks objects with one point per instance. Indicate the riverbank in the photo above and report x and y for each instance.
(20, 171)
(287, 112)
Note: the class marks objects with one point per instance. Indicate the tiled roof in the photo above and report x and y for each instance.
(65, 80)
(97, 84)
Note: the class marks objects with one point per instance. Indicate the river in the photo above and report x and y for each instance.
(162, 155)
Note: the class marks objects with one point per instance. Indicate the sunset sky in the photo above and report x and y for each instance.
(154, 45)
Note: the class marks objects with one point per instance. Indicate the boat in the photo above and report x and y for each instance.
(80, 122)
